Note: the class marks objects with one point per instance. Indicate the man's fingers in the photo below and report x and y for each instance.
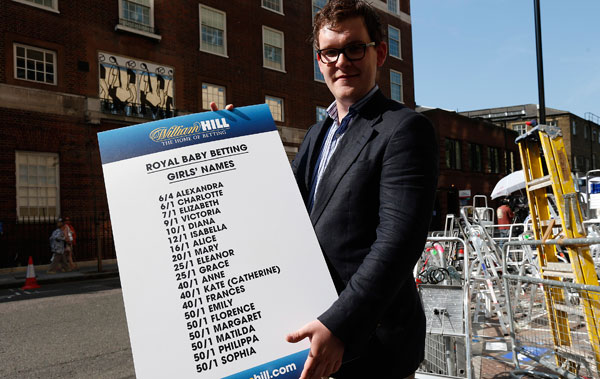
(297, 336)
(306, 372)
(337, 366)
(214, 107)
(313, 369)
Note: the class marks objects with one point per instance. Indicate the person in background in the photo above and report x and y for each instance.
(57, 247)
(505, 217)
(69, 250)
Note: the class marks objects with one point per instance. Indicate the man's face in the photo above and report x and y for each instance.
(347, 80)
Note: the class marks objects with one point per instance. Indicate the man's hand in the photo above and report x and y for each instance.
(326, 350)
(214, 108)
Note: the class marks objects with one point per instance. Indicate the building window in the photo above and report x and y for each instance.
(213, 33)
(579, 163)
(493, 161)
(453, 154)
(574, 128)
(394, 42)
(594, 134)
(213, 92)
(273, 5)
(44, 4)
(321, 113)
(594, 164)
(475, 161)
(520, 128)
(318, 75)
(552, 123)
(396, 86)
(393, 6)
(35, 64)
(317, 5)
(509, 161)
(37, 185)
(137, 14)
(587, 164)
(276, 107)
(585, 131)
(273, 56)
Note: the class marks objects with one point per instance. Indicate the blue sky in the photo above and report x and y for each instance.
(473, 54)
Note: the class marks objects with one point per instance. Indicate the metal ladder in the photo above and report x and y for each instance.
(547, 171)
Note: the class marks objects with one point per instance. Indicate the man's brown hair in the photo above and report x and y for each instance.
(336, 11)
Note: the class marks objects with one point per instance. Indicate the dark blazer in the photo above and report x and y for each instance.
(371, 217)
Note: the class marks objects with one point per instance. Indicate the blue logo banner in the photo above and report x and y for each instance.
(172, 133)
(289, 367)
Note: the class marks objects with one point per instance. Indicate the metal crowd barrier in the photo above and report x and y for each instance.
(535, 350)
(446, 297)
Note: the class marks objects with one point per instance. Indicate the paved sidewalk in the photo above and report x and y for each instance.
(15, 277)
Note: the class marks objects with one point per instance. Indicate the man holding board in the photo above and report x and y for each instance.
(368, 175)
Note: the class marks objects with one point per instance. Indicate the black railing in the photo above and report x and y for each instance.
(21, 239)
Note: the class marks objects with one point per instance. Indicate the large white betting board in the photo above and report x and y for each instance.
(217, 256)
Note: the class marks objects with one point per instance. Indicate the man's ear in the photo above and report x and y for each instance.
(381, 49)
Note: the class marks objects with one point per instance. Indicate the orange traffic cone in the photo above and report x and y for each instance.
(30, 281)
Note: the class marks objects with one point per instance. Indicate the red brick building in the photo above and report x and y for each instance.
(70, 69)
(474, 155)
(581, 136)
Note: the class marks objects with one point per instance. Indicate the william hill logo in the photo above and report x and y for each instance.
(180, 133)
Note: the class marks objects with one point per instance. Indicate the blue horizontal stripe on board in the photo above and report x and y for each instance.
(289, 367)
(173, 133)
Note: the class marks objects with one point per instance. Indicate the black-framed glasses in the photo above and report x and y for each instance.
(354, 52)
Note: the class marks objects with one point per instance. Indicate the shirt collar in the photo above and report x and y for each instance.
(332, 109)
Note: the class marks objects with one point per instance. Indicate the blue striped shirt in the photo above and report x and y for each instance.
(336, 132)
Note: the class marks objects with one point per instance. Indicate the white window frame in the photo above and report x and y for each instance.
(262, 4)
(53, 8)
(520, 128)
(275, 100)
(401, 84)
(43, 51)
(266, 28)
(203, 49)
(397, 6)
(20, 186)
(133, 29)
(399, 56)
(206, 99)
(574, 128)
